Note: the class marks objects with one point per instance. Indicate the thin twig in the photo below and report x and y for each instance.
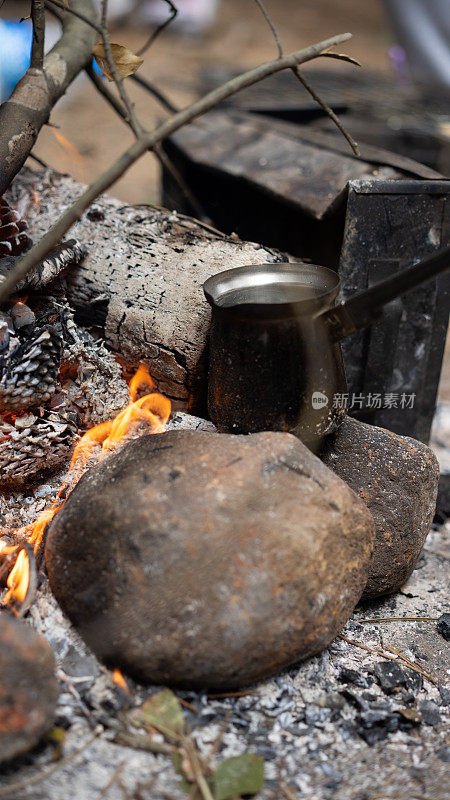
(132, 118)
(19, 787)
(329, 111)
(139, 742)
(149, 140)
(200, 779)
(219, 737)
(287, 792)
(150, 87)
(112, 781)
(272, 27)
(163, 158)
(38, 160)
(399, 619)
(79, 14)
(154, 35)
(37, 46)
(398, 657)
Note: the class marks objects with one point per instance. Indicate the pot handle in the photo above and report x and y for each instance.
(366, 307)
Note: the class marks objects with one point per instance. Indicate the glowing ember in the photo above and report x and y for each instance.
(147, 414)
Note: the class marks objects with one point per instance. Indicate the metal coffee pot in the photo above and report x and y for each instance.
(275, 360)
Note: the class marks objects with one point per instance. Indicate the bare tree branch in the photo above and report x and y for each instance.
(131, 116)
(307, 85)
(328, 111)
(150, 140)
(162, 157)
(154, 35)
(29, 107)
(37, 46)
(272, 27)
(92, 22)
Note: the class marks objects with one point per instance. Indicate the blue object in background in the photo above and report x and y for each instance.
(15, 49)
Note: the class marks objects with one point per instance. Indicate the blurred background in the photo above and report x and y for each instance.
(90, 133)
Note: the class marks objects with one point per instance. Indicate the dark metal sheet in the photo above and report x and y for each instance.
(304, 168)
(398, 222)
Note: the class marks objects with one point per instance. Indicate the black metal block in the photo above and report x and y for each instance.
(390, 225)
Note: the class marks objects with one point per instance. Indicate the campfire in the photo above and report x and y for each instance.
(187, 558)
(146, 413)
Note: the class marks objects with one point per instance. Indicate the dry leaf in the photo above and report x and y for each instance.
(126, 62)
(163, 712)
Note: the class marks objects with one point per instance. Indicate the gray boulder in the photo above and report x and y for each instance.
(397, 478)
(28, 687)
(209, 560)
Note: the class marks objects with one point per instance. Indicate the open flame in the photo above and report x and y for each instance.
(148, 414)
(120, 681)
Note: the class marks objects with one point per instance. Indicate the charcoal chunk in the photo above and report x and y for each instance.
(430, 713)
(443, 626)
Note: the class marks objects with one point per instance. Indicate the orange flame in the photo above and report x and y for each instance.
(150, 412)
(18, 580)
(120, 681)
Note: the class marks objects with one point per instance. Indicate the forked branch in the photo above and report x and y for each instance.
(149, 140)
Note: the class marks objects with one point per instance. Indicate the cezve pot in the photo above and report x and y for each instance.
(275, 358)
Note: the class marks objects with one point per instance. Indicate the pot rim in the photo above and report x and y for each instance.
(257, 289)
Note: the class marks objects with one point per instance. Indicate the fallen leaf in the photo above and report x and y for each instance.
(126, 62)
(237, 776)
(163, 712)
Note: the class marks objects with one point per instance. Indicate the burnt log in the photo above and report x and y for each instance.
(141, 281)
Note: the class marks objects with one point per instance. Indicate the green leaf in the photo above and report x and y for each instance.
(163, 712)
(238, 775)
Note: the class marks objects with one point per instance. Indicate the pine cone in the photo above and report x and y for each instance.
(13, 239)
(30, 354)
(32, 445)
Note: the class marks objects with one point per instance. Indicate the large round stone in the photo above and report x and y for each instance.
(28, 687)
(397, 477)
(209, 560)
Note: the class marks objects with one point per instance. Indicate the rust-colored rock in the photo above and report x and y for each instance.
(397, 477)
(209, 560)
(28, 687)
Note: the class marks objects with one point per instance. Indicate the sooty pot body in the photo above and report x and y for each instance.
(274, 373)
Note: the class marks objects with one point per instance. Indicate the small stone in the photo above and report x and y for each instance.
(397, 478)
(430, 713)
(392, 677)
(443, 754)
(375, 724)
(443, 626)
(445, 695)
(28, 687)
(356, 678)
(209, 560)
